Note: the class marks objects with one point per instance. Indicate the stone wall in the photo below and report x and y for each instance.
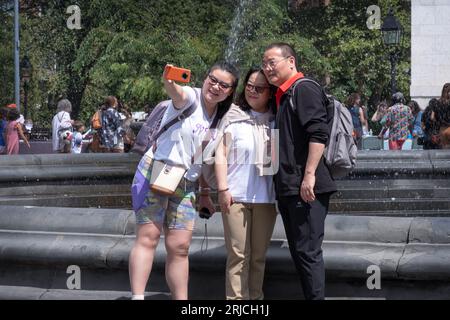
(430, 48)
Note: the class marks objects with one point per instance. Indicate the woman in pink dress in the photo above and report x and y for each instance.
(13, 130)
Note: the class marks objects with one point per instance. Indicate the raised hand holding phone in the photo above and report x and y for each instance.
(174, 90)
(177, 74)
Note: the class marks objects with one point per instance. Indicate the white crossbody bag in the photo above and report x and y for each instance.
(165, 178)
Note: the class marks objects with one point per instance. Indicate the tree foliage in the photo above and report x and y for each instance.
(123, 46)
(6, 59)
(357, 60)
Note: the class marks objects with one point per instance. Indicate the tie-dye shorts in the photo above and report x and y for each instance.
(173, 212)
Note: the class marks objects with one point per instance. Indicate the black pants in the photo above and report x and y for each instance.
(305, 227)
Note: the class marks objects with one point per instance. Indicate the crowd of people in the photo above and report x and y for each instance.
(401, 121)
(113, 135)
(71, 136)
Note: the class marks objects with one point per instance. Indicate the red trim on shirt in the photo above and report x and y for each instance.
(285, 87)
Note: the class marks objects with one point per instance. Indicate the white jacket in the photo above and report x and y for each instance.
(60, 121)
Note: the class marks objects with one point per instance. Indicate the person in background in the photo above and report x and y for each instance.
(21, 119)
(381, 112)
(246, 194)
(380, 116)
(354, 105)
(61, 121)
(111, 132)
(365, 121)
(416, 131)
(442, 117)
(13, 132)
(399, 120)
(77, 137)
(3, 125)
(95, 143)
(429, 126)
(127, 119)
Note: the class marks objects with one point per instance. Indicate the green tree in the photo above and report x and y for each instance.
(123, 46)
(6, 59)
(357, 59)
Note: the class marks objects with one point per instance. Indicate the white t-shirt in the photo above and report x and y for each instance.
(178, 145)
(243, 180)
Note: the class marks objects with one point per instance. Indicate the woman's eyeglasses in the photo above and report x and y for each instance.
(222, 85)
(258, 89)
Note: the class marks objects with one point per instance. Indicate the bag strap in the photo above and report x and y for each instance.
(296, 83)
(215, 122)
(199, 151)
(61, 116)
(185, 114)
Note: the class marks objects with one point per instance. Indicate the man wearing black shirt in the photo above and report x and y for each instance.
(303, 183)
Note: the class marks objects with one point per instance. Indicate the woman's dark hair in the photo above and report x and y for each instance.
(433, 104)
(351, 100)
(382, 105)
(441, 116)
(110, 101)
(445, 99)
(428, 123)
(12, 115)
(415, 108)
(242, 101)
(225, 105)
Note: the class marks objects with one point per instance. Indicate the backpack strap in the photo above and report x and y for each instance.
(61, 117)
(291, 91)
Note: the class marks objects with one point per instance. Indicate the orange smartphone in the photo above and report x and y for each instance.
(178, 74)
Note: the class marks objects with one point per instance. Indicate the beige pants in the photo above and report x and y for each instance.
(248, 230)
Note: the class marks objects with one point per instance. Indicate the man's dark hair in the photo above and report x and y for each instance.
(398, 98)
(286, 50)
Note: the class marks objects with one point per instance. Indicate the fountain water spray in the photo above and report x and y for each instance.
(235, 42)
